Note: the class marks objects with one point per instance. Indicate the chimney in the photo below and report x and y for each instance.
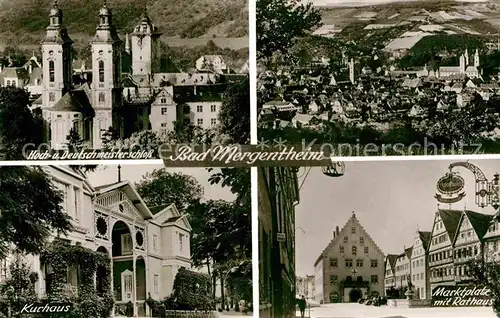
(119, 173)
(337, 230)
(334, 234)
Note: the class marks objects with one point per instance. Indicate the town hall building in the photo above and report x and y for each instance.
(350, 267)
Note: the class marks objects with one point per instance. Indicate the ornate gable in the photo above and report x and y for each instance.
(119, 203)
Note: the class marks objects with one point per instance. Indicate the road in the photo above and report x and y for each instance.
(362, 311)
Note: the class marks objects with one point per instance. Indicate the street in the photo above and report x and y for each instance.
(354, 310)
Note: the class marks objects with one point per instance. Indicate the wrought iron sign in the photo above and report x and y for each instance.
(451, 185)
(450, 188)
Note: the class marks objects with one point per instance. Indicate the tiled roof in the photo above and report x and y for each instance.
(199, 93)
(391, 258)
(173, 219)
(480, 222)
(425, 237)
(408, 252)
(451, 219)
(158, 208)
(18, 72)
(74, 101)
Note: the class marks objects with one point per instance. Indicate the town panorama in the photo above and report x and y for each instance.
(420, 73)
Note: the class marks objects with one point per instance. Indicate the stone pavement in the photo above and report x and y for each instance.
(363, 311)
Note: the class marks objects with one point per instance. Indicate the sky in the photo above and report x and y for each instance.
(106, 174)
(391, 200)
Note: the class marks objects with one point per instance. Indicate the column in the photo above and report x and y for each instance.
(112, 280)
(146, 285)
(134, 282)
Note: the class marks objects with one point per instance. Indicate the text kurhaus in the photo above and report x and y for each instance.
(32, 308)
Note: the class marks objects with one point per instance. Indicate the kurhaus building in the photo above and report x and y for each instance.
(129, 85)
(147, 245)
(350, 267)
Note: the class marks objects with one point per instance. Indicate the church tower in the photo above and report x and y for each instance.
(476, 58)
(144, 46)
(56, 57)
(106, 74)
(351, 71)
(462, 64)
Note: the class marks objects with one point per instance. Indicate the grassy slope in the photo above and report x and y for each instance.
(25, 20)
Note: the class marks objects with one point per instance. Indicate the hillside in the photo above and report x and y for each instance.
(24, 21)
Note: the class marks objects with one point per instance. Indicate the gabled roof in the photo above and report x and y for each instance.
(408, 252)
(74, 101)
(391, 258)
(169, 215)
(425, 237)
(451, 220)
(127, 187)
(479, 222)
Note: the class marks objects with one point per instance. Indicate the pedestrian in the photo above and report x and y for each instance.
(302, 306)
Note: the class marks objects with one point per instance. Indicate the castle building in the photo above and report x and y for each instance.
(351, 266)
(130, 86)
(147, 245)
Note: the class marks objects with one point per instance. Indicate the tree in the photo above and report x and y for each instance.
(238, 179)
(487, 274)
(19, 288)
(74, 141)
(281, 22)
(30, 210)
(161, 187)
(234, 115)
(17, 124)
(187, 133)
(109, 136)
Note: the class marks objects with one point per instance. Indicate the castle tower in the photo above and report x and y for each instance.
(351, 71)
(127, 44)
(476, 58)
(56, 59)
(106, 65)
(462, 64)
(467, 57)
(144, 46)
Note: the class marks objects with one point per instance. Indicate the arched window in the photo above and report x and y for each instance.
(101, 71)
(51, 72)
(101, 98)
(354, 250)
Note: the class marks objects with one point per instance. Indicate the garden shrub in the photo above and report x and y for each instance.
(192, 291)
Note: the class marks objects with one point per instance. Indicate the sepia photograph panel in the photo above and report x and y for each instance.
(390, 77)
(380, 239)
(125, 241)
(122, 74)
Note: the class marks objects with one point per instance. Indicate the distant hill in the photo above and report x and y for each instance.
(24, 21)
